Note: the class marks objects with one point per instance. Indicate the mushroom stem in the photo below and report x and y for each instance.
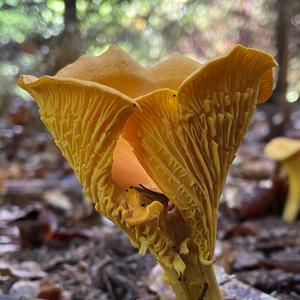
(198, 282)
(292, 166)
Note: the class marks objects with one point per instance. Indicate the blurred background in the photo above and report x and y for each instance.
(40, 37)
(49, 230)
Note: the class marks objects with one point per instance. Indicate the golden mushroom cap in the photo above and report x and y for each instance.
(113, 68)
(282, 148)
(170, 73)
(116, 69)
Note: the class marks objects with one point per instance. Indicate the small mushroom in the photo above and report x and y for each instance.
(287, 151)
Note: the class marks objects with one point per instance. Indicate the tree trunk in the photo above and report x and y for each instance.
(279, 94)
(282, 31)
(69, 41)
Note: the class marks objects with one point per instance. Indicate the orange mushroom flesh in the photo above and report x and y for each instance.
(287, 151)
(152, 147)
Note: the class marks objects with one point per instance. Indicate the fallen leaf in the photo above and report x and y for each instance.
(36, 227)
(57, 199)
(50, 291)
(24, 270)
(29, 289)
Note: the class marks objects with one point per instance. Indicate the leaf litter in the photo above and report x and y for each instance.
(54, 246)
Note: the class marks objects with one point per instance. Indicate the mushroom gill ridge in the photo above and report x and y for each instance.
(186, 141)
(86, 122)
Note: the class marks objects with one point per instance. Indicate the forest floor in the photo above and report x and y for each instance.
(54, 246)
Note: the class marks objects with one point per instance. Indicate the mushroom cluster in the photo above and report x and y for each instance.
(287, 152)
(152, 146)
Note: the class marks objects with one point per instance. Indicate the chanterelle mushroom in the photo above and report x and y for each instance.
(152, 147)
(287, 151)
